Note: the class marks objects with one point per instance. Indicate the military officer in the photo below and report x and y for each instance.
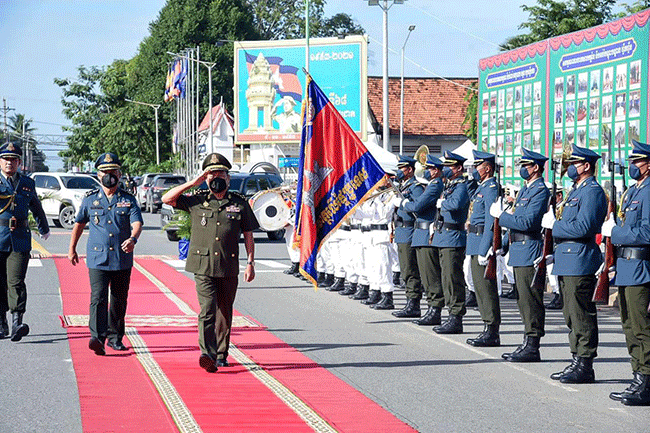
(17, 198)
(115, 225)
(404, 227)
(526, 244)
(424, 207)
(632, 239)
(219, 217)
(479, 247)
(576, 259)
(450, 237)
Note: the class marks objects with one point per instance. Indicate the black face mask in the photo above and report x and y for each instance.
(109, 180)
(218, 185)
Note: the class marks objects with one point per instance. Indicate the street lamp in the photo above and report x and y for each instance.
(384, 5)
(155, 107)
(401, 103)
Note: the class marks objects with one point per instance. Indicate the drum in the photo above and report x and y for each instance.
(271, 210)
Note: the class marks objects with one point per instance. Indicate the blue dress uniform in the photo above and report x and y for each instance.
(450, 238)
(404, 227)
(108, 265)
(17, 198)
(632, 239)
(479, 241)
(526, 245)
(428, 258)
(577, 257)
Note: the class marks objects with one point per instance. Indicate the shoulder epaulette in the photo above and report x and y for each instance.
(125, 192)
(92, 191)
(237, 194)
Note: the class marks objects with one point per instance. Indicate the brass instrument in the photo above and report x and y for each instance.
(420, 162)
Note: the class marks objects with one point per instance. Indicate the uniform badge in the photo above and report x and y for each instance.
(204, 222)
(96, 219)
(108, 158)
(233, 208)
(96, 203)
(214, 158)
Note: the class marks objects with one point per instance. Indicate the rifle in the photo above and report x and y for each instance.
(491, 267)
(539, 278)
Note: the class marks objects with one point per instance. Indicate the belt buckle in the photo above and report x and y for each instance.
(13, 223)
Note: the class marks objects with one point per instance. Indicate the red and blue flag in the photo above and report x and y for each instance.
(337, 170)
(285, 77)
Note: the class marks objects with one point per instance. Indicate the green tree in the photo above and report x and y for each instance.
(21, 132)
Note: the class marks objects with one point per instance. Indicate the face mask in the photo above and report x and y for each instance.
(427, 174)
(572, 172)
(447, 172)
(218, 185)
(400, 175)
(476, 175)
(523, 172)
(109, 180)
(634, 171)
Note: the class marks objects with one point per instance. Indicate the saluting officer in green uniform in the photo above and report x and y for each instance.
(17, 198)
(218, 217)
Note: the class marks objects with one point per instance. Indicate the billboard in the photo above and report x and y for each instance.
(584, 88)
(270, 83)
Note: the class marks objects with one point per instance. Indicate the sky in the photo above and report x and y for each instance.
(47, 39)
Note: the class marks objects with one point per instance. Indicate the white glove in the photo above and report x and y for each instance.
(432, 229)
(608, 225)
(548, 220)
(600, 269)
(550, 259)
(537, 261)
(495, 209)
(439, 203)
(45, 236)
(483, 260)
(396, 201)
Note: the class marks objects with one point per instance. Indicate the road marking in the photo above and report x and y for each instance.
(182, 305)
(38, 247)
(271, 264)
(175, 263)
(35, 263)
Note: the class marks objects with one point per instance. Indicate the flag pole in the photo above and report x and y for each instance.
(307, 35)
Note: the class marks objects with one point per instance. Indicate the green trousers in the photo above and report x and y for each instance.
(216, 297)
(487, 294)
(580, 314)
(104, 322)
(13, 291)
(530, 302)
(635, 318)
(408, 264)
(429, 266)
(453, 279)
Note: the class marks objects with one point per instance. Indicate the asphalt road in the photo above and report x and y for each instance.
(435, 383)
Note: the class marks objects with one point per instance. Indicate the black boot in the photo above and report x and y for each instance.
(386, 302)
(18, 329)
(568, 368)
(583, 372)
(327, 281)
(361, 293)
(293, 270)
(411, 309)
(453, 325)
(430, 318)
(556, 303)
(640, 396)
(470, 302)
(4, 326)
(489, 337)
(529, 351)
(349, 290)
(320, 278)
(636, 381)
(396, 279)
(373, 298)
(337, 285)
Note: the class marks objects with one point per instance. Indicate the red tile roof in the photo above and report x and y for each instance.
(432, 106)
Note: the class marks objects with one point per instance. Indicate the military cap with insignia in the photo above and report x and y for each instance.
(450, 158)
(10, 150)
(530, 157)
(433, 162)
(579, 154)
(481, 157)
(405, 161)
(215, 162)
(108, 161)
(639, 151)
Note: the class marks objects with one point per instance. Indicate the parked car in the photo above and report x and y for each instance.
(143, 186)
(160, 184)
(62, 194)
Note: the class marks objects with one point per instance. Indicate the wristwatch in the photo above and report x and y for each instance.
(135, 240)
(250, 263)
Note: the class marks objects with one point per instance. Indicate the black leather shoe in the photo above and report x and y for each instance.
(470, 302)
(556, 303)
(293, 269)
(641, 395)
(349, 290)
(489, 337)
(116, 345)
(361, 293)
(96, 346)
(337, 285)
(320, 278)
(430, 318)
(636, 381)
(373, 297)
(396, 281)
(207, 363)
(410, 310)
(511, 294)
(385, 303)
(568, 368)
(4, 326)
(327, 281)
(222, 363)
(583, 372)
(18, 328)
(453, 325)
(529, 351)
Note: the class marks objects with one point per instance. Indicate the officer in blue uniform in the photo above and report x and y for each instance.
(115, 225)
(479, 248)
(631, 235)
(404, 227)
(17, 198)
(450, 237)
(428, 258)
(576, 259)
(526, 244)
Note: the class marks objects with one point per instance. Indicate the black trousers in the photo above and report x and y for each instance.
(13, 291)
(105, 323)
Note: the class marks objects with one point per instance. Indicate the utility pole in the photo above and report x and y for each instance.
(5, 110)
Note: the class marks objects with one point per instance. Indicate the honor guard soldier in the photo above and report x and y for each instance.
(428, 258)
(479, 248)
(525, 245)
(17, 198)
(404, 227)
(115, 225)
(219, 217)
(632, 239)
(576, 259)
(450, 238)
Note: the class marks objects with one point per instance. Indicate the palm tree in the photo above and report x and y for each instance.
(22, 132)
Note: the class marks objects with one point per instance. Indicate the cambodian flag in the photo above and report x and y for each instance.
(338, 172)
(285, 77)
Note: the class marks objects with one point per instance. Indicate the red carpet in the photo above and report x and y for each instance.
(117, 394)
